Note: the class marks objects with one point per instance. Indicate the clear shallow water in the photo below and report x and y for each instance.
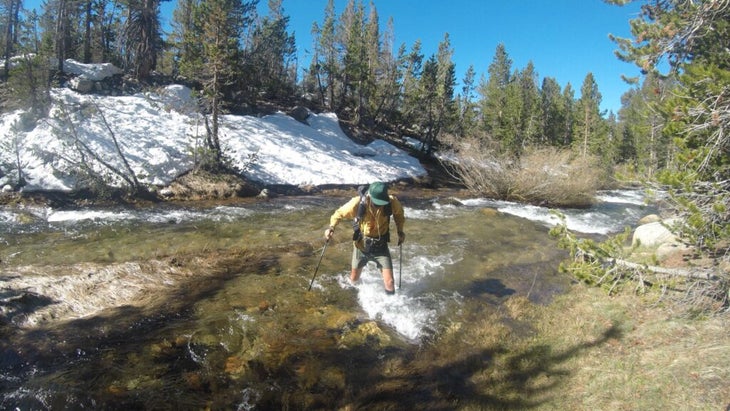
(239, 329)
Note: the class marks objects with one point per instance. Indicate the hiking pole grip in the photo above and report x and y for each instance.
(318, 263)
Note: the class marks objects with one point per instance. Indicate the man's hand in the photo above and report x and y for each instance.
(328, 233)
(401, 237)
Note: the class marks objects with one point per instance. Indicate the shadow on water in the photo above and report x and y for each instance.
(491, 286)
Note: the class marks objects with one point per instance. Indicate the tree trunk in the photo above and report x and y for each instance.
(87, 34)
(11, 36)
(60, 35)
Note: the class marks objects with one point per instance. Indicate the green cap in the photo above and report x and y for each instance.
(379, 194)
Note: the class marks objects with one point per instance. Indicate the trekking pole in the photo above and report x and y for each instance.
(400, 264)
(318, 263)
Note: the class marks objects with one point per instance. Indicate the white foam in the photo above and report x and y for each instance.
(635, 197)
(78, 215)
(616, 210)
(412, 313)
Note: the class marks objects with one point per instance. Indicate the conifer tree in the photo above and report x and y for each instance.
(29, 78)
(384, 103)
(325, 67)
(569, 101)
(375, 66)
(354, 66)
(437, 109)
(270, 55)
(493, 91)
(531, 114)
(692, 38)
(510, 124)
(188, 52)
(219, 26)
(644, 142)
(589, 127)
(553, 111)
(411, 64)
(466, 105)
(62, 32)
(10, 14)
(143, 37)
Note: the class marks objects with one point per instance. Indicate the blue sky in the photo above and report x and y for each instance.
(565, 39)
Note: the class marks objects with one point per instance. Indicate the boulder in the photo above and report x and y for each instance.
(653, 235)
(300, 114)
(651, 218)
(82, 85)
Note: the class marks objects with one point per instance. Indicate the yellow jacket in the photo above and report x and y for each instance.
(375, 222)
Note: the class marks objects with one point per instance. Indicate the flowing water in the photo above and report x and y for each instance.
(208, 307)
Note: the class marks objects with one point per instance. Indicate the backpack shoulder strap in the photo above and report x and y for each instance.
(362, 190)
(361, 207)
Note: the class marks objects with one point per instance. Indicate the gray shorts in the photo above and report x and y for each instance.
(381, 258)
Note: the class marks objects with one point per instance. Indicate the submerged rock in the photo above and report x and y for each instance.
(369, 332)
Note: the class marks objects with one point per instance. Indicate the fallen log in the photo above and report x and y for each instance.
(695, 272)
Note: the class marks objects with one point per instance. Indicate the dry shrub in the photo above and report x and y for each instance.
(202, 185)
(548, 176)
(556, 177)
(480, 167)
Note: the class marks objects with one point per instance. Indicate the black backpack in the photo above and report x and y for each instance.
(363, 192)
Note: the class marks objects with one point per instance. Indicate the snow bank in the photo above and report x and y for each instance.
(158, 132)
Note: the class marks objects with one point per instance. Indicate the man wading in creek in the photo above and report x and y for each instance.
(371, 213)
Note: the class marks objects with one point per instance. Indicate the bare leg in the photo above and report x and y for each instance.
(355, 275)
(388, 280)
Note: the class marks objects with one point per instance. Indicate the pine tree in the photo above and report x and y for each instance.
(411, 64)
(437, 84)
(219, 27)
(553, 113)
(466, 105)
(531, 115)
(644, 142)
(372, 45)
(62, 32)
(270, 55)
(29, 78)
(143, 37)
(692, 38)
(10, 10)
(386, 77)
(355, 72)
(325, 67)
(589, 127)
(509, 133)
(569, 102)
(187, 56)
(493, 93)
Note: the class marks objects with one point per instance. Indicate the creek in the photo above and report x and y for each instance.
(207, 307)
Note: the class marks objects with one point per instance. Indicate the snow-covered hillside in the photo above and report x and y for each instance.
(157, 134)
